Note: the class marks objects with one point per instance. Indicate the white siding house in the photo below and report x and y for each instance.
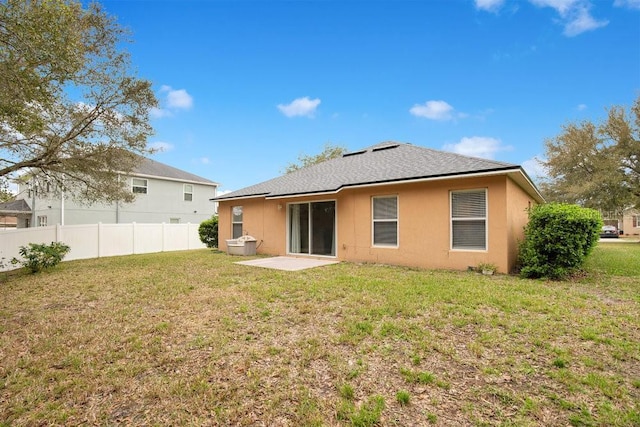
(164, 194)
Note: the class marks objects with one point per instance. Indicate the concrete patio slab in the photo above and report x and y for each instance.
(287, 263)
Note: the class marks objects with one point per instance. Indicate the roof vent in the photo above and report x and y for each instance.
(354, 153)
(385, 147)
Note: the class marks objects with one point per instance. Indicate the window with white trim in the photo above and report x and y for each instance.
(236, 222)
(188, 192)
(42, 221)
(139, 185)
(635, 221)
(385, 220)
(469, 220)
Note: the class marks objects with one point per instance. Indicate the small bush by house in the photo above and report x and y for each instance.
(208, 232)
(558, 238)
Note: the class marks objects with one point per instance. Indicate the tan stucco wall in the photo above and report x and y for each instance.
(518, 205)
(424, 223)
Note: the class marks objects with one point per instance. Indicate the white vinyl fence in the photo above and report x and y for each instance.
(101, 240)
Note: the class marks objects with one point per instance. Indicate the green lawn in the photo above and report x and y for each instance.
(190, 338)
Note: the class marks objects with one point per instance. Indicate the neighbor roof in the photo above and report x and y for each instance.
(151, 168)
(384, 163)
(15, 207)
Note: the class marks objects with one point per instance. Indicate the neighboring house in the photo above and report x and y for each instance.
(631, 222)
(164, 194)
(9, 212)
(391, 203)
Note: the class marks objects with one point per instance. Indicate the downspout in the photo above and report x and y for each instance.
(62, 205)
(33, 187)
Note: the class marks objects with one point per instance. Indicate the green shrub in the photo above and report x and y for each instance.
(38, 256)
(208, 231)
(558, 239)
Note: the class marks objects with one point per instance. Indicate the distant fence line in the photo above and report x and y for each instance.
(103, 240)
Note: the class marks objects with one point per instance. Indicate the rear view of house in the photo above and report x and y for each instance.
(391, 203)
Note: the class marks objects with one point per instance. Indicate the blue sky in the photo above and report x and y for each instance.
(245, 87)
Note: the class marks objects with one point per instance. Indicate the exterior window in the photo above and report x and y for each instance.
(636, 221)
(188, 192)
(385, 221)
(174, 220)
(42, 221)
(469, 220)
(139, 185)
(236, 222)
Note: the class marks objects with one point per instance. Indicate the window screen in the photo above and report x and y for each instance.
(385, 221)
(139, 185)
(236, 221)
(469, 220)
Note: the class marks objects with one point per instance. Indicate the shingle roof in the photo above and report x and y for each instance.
(387, 162)
(15, 207)
(149, 167)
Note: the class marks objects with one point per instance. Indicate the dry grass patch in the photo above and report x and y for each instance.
(191, 338)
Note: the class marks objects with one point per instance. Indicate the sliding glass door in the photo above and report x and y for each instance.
(312, 228)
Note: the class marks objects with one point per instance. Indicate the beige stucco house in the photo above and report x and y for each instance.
(391, 203)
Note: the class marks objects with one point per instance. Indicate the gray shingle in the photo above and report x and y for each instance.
(386, 162)
(15, 207)
(153, 168)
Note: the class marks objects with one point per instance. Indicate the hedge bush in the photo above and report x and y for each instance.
(208, 232)
(38, 256)
(558, 238)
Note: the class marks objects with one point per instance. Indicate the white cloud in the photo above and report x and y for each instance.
(631, 4)
(204, 160)
(171, 101)
(304, 107)
(581, 21)
(489, 5)
(535, 169)
(434, 110)
(160, 146)
(179, 99)
(478, 146)
(574, 14)
(158, 113)
(582, 107)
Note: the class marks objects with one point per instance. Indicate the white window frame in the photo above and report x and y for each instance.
(42, 220)
(139, 185)
(485, 218)
(186, 193)
(234, 223)
(396, 220)
(635, 219)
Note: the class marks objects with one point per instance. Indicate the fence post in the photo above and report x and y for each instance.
(99, 240)
(133, 237)
(58, 233)
(164, 231)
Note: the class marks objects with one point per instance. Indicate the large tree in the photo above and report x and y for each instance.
(330, 151)
(71, 109)
(597, 165)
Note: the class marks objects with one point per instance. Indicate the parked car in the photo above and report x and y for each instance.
(609, 231)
